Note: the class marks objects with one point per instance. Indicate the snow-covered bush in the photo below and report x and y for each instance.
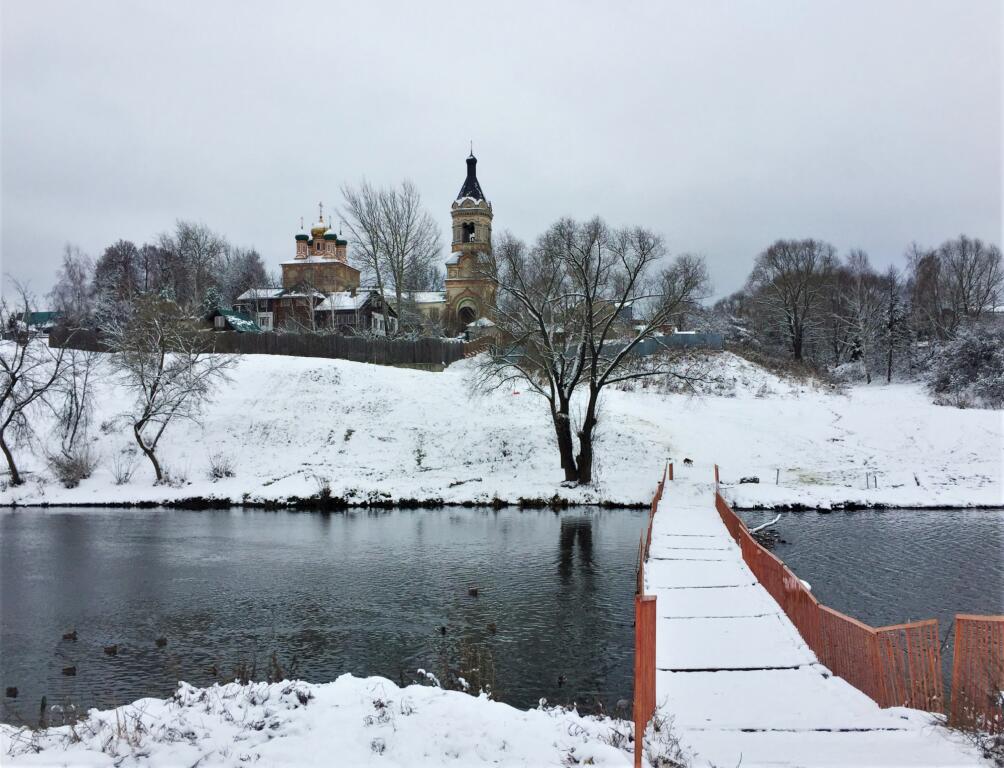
(221, 465)
(969, 369)
(73, 465)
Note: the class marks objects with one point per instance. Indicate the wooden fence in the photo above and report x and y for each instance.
(978, 674)
(898, 665)
(644, 634)
(421, 352)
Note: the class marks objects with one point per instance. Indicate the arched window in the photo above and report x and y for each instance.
(468, 232)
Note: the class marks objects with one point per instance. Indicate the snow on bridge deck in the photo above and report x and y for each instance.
(734, 674)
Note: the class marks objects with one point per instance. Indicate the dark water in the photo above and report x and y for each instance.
(892, 566)
(362, 592)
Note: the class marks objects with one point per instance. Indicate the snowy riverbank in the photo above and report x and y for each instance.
(300, 427)
(349, 722)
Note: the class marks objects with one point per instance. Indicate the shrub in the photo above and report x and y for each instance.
(323, 485)
(969, 369)
(74, 465)
(220, 465)
(123, 465)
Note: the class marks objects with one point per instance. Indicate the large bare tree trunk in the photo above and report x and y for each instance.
(15, 476)
(137, 430)
(566, 447)
(585, 457)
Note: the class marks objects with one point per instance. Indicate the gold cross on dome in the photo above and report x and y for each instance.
(320, 212)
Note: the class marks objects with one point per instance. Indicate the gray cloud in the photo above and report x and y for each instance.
(722, 125)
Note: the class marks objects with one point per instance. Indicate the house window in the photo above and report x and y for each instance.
(220, 322)
(265, 321)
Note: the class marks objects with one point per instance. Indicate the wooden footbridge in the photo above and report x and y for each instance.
(739, 661)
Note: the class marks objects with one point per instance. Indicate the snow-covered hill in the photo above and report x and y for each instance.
(296, 427)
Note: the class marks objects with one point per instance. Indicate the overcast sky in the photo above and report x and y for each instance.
(721, 125)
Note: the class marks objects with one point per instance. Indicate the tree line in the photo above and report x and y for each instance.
(191, 265)
(804, 302)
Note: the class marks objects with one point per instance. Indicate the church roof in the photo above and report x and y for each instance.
(471, 188)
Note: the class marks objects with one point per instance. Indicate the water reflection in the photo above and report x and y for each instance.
(575, 530)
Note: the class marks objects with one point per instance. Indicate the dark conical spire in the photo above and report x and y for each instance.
(471, 187)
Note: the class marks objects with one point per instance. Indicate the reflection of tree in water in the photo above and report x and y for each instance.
(575, 529)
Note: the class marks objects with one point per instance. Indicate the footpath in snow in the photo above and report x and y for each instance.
(738, 681)
(299, 427)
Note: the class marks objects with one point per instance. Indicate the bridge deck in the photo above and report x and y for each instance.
(736, 677)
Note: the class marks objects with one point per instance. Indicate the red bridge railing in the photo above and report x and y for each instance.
(978, 674)
(898, 665)
(644, 633)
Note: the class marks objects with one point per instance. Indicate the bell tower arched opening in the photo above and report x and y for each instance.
(467, 314)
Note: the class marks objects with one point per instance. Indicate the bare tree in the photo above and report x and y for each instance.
(790, 279)
(72, 404)
(974, 276)
(150, 265)
(362, 211)
(835, 326)
(564, 316)
(73, 293)
(957, 282)
(895, 331)
(195, 255)
(864, 302)
(167, 367)
(75, 402)
(29, 372)
(395, 239)
(410, 238)
(116, 274)
(240, 269)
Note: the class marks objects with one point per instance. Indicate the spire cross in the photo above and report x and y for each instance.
(320, 212)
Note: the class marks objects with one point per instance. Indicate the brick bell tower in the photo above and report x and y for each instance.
(469, 294)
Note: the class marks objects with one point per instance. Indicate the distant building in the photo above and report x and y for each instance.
(470, 295)
(320, 263)
(355, 311)
(233, 320)
(320, 289)
(38, 322)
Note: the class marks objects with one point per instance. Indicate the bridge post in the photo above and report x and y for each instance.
(644, 670)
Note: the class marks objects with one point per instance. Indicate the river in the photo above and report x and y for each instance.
(366, 592)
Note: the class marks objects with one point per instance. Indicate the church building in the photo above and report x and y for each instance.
(321, 290)
(470, 294)
(320, 262)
